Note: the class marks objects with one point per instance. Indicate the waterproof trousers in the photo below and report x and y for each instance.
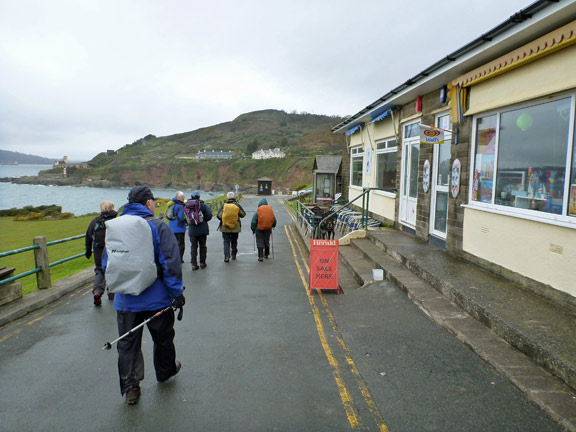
(230, 244)
(181, 244)
(99, 280)
(130, 358)
(198, 242)
(263, 242)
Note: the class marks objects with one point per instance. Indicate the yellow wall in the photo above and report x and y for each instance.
(383, 205)
(543, 252)
(380, 204)
(548, 75)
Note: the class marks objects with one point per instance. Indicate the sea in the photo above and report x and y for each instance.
(72, 199)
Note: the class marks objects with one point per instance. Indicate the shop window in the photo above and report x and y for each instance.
(520, 158)
(386, 157)
(356, 166)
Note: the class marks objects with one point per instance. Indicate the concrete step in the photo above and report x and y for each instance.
(353, 262)
(346, 278)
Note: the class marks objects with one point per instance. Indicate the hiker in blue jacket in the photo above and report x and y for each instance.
(132, 310)
(178, 225)
(199, 232)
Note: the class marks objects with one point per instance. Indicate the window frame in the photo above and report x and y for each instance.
(386, 150)
(356, 152)
(564, 219)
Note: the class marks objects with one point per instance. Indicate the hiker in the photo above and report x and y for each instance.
(262, 223)
(95, 242)
(177, 221)
(229, 215)
(198, 214)
(166, 290)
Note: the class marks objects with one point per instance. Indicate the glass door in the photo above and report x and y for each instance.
(441, 180)
(409, 187)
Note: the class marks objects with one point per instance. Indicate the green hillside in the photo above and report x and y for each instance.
(169, 161)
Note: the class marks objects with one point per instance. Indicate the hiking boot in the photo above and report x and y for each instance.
(97, 299)
(110, 296)
(266, 256)
(260, 259)
(177, 368)
(226, 259)
(132, 395)
(233, 257)
(195, 267)
(203, 265)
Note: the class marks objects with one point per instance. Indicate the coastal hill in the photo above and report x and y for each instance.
(169, 162)
(10, 157)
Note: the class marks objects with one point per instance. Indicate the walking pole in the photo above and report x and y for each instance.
(108, 345)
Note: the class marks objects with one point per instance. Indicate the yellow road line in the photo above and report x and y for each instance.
(344, 393)
(353, 368)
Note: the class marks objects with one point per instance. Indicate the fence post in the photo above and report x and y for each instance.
(41, 260)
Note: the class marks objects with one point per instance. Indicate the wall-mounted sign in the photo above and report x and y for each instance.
(426, 176)
(368, 160)
(455, 182)
(431, 135)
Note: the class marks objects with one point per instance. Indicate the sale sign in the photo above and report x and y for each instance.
(324, 265)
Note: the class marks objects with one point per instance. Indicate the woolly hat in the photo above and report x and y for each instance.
(195, 194)
(231, 195)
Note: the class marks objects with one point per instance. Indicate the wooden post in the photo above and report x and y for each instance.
(41, 260)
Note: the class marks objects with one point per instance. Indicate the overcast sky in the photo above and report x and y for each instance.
(78, 77)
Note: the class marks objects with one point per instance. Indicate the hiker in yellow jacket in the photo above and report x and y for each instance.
(229, 215)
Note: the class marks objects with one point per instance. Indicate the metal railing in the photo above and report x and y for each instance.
(41, 260)
(314, 223)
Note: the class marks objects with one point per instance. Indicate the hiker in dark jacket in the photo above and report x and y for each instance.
(95, 236)
(132, 310)
(199, 233)
(230, 234)
(262, 223)
(178, 225)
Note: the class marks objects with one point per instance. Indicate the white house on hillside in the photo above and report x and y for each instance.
(268, 154)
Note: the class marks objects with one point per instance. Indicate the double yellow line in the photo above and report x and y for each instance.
(345, 396)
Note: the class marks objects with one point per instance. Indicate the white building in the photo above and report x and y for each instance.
(269, 154)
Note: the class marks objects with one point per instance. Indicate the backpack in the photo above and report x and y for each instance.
(171, 212)
(99, 233)
(265, 217)
(131, 267)
(230, 215)
(193, 212)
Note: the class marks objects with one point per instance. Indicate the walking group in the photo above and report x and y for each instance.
(139, 258)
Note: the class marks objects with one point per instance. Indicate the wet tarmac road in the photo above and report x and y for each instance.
(258, 354)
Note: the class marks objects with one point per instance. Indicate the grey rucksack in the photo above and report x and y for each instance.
(131, 266)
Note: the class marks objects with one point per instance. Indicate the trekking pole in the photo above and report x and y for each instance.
(108, 345)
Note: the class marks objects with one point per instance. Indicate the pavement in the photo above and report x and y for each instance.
(40, 298)
(527, 338)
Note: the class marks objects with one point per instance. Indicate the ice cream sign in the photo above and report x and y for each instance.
(431, 134)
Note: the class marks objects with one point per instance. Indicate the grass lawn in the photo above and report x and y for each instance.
(17, 235)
